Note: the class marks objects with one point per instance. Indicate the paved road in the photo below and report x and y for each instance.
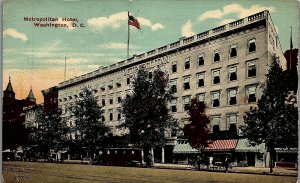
(50, 172)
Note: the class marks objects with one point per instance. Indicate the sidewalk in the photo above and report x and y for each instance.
(246, 170)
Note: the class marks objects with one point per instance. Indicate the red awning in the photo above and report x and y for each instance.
(222, 145)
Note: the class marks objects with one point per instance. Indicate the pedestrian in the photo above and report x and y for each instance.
(149, 160)
(211, 159)
(226, 164)
(198, 162)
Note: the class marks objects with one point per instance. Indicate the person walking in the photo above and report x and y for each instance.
(149, 160)
(226, 164)
(198, 162)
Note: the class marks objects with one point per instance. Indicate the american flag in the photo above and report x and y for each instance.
(133, 22)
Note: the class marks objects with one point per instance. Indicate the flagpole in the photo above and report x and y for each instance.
(128, 37)
(65, 73)
(291, 48)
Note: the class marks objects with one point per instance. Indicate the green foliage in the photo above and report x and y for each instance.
(197, 130)
(87, 115)
(274, 121)
(49, 131)
(146, 109)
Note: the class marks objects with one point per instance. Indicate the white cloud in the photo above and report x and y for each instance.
(14, 33)
(234, 9)
(45, 50)
(69, 23)
(116, 46)
(215, 14)
(147, 22)
(226, 21)
(115, 21)
(186, 29)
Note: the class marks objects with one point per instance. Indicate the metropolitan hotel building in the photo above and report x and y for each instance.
(225, 67)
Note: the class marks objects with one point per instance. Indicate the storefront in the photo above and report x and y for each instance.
(248, 155)
(218, 150)
(183, 152)
(286, 157)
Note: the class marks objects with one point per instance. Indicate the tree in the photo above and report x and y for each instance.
(14, 135)
(87, 115)
(49, 131)
(146, 110)
(274, 121)
(197, 130)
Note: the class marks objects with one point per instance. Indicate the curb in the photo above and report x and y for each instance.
(241, 172)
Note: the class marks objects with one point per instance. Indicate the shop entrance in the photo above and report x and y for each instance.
(251, 159)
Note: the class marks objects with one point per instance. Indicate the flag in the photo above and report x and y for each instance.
(133, 22)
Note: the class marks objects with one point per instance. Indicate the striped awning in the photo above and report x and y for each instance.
(286, 150)
(222, 145)
(184, 148)
(244, 145)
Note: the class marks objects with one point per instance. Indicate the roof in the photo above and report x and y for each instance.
(222, 145)
(9, 87)
(286, 150)
(184, 148)
(30, 94)
(244, 145)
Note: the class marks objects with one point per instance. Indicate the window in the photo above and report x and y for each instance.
(216, 124)
(251, 69)
(232, 73)
(118, 83)
(128, 81)
(110, 85)
(111, 115)
(215, 99)
(186, 103)
(200, 78)
(150, 75)
(173, 84)
(102, 87)
(103, 117)
(119, 115)
(103, 101)
(201, 60)
(201, 97)
(119, 98)
(174, 67)
(232, 119)
(128, 93)
(173, 105)
(216, 76)
(162, 68)
(252, 45)
(216, 56)
(187, 64)
(111, 99)
(232, 96)
(233, 51)
(173, 132)
(251, 94)
(186, 83)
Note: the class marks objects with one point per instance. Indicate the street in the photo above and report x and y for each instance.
(78, 173)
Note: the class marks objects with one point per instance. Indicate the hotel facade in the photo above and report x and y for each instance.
(225, 67)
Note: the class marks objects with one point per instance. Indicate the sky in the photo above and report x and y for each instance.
(34, 56)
